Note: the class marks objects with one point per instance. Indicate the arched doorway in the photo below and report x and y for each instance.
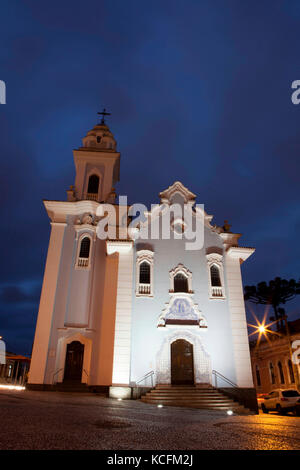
(74, 361)
(182, 363)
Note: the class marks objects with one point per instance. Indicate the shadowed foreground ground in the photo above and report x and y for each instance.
(45, 420)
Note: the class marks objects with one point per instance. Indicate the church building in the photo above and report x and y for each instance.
(122, 311)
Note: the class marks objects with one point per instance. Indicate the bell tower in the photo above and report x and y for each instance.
(97, 165)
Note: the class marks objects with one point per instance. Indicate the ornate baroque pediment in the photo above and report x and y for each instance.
(177, 187)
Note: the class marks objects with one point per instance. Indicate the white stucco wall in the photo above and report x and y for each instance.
(216, 341)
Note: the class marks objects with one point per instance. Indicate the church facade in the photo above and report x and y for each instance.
(120, 311)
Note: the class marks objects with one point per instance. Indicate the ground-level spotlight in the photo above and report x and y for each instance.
(119, 399)
(159, 406)
(230, 412)
(12, 387)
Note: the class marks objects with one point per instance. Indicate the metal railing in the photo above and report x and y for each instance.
(217, 375)
(146, 376)
(144, 288)
(91, 196)
(217, 291)
(55, 373)
(87, 375)
(83, 262)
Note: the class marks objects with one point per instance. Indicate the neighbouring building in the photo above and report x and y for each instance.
(118, 312)
(15, 370)
(272, 360)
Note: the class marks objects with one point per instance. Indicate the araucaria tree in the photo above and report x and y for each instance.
(276, 292)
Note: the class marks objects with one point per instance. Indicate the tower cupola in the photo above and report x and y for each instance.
(100, 138)
(97, 165)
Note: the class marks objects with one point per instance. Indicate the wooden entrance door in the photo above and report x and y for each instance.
(74, 361)
(182, 363)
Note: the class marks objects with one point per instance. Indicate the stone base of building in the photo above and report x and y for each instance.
(40, 387)
(128, 393)
(103, 389)
(245, 396)
(123, 392)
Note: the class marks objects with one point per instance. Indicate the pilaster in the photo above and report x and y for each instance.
(47, 303)
(108, 317)
(122, 341)
(240, 340)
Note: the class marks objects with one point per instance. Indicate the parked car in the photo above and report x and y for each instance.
(281, 401)
(297, 408)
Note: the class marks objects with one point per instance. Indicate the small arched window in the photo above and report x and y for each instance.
(257, 373)
(215, 276)
(291, 371)
(180, 283)
(84, 253)
(93, 185)
(144, 273)
(281, 372)
(272, 373)
(85, 248)
(216, 287)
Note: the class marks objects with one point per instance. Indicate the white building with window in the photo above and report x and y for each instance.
(117, 312)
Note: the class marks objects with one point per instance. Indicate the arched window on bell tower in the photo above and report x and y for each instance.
(93, 187)
(84, 252)
(85, 248)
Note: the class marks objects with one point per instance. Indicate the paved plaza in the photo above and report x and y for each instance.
(52, 420)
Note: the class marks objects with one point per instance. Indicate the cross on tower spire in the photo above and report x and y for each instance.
(104, 113)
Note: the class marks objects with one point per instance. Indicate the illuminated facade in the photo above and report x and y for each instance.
(113, 311)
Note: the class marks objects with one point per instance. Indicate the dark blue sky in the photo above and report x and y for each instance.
(199, 91)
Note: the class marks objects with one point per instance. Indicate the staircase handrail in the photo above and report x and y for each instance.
(149, 374)
(221, 376)
(87, 375)
(58, 370)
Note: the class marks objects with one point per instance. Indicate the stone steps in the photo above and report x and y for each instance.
(195, 398)
(200, 390)
(189, 395)
(207, 398)
(197, 386)
(203, 406)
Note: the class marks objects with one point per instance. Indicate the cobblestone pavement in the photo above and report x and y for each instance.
(52, 420)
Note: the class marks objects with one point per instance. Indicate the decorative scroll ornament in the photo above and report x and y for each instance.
(183, 310)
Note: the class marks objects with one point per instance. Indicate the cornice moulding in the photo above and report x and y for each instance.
(240, 252)
(118, 246)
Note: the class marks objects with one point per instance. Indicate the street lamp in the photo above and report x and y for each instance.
(262, 329)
